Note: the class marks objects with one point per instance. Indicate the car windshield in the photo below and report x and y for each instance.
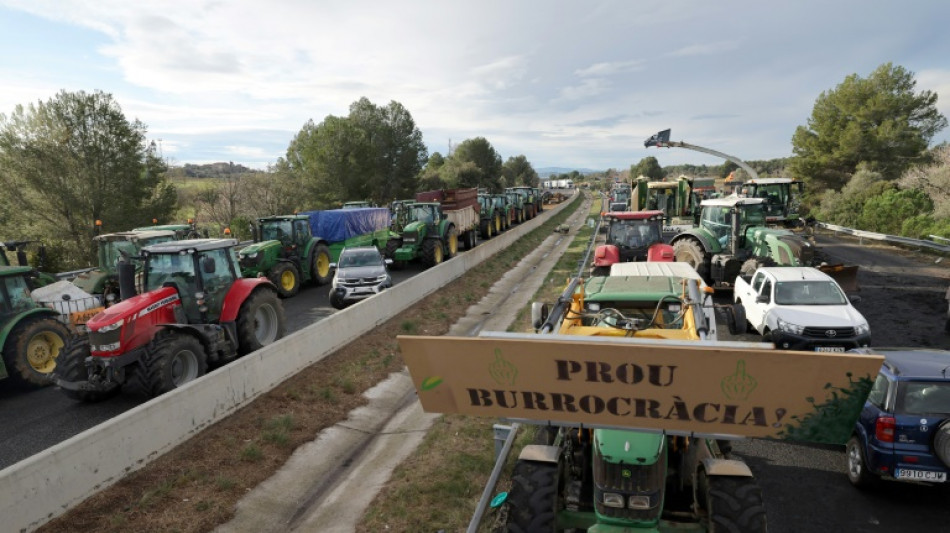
(923, 397)
(360, 259)
(808, 293)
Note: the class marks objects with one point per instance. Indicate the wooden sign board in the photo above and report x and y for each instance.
(678, 387)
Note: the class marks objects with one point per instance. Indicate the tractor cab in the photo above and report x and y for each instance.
(728, 220)
(201, 270)
(290, 231)
(782, 198)
(111, 249)
(631, 236)
(424, 213)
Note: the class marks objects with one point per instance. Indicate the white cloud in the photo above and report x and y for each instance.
(706, 49)
(608, 69)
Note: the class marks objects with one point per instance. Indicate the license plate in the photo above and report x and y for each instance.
(829, 349)
(362, 291)
(921, 475)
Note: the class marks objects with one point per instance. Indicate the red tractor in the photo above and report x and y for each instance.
(631, 236)
(195, 310)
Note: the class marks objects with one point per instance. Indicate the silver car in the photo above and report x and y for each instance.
(361, 272)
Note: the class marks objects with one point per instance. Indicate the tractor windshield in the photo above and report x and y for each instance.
(499, 201)
(633, 233)
(422, 213)
(177, 268)
(16, 295)
(277, 230)
(752, 215)
(776, 196)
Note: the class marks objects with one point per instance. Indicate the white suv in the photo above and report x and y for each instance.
(360, 273)
(801, 308)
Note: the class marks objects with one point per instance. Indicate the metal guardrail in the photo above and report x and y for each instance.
(894, 239)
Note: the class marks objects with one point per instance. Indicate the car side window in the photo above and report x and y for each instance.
(879, 392)
(757, 281)
(767, 289)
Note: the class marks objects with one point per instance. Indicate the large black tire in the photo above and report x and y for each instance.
(942, 443)
(260, 321)
(432, 252)
(733, 504)
(690, 251)
(32, 348)
(858, 473)
(498, 226)
(451, 242)
(71, 366)
(391, 246)
(485, 229)
(320, 269)
(735, 318)
(172, 359)
(286, 278)
(336, 301)
(749, 267)
(532, 500)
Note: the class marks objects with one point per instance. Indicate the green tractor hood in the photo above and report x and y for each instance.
(258, 247)
(93, 281)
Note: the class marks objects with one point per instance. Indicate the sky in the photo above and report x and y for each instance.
(577, 84)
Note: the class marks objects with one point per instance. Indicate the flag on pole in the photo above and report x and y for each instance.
(658, 139)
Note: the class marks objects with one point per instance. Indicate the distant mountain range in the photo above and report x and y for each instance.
(547, 171)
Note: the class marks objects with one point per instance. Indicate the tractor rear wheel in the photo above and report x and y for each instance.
(532, 500)
(286, 278)
(260, 321)
(32, 349)
(172, 359)
(320, 270)
(691, 252)
(732, 503)
(71, 366)
(485, 229)
(452, 242)
(431, 252)
(473, 240)
(497, 220)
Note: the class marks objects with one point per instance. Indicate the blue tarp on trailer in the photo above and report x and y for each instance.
(336, 225)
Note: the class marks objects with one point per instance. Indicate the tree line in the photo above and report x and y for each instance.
(75, 161)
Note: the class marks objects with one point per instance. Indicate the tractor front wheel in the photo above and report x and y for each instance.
(320, 270)
(431, 252)
(732, 503)
(172, 359)
(532, 500)
(287, 279)
(485, 229)
(71, 366)
(691, 252)
(260, 321)
(32, 349)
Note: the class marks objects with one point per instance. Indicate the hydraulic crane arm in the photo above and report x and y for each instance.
(662, 139)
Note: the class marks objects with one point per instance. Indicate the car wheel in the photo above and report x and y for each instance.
(858, 473)
(942, 443)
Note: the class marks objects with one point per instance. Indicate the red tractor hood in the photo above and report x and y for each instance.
(135, 307)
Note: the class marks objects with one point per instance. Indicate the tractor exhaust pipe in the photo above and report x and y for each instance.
(126, 272)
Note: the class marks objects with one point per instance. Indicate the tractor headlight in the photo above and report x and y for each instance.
(861, 329)
(251, 255)
(612, 499)
(788, 327)
(110, 327)
(640, 502)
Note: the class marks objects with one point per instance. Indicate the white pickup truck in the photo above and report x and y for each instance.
(801, 308)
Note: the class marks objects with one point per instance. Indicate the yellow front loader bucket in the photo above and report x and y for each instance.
(846, 276)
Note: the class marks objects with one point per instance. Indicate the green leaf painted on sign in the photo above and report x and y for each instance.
(431, 383)
(502, 371)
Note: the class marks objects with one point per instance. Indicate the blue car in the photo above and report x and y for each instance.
(903, 432)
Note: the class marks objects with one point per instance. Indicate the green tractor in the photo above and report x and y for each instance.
(732, 239)
(429, 235)
(31, 336)
(294, 249)
(286, 252)
(782, 199)
(503, 204)
(530, 198)
(490, 220)
(516, 201)
(622, 480)
(111, 248)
